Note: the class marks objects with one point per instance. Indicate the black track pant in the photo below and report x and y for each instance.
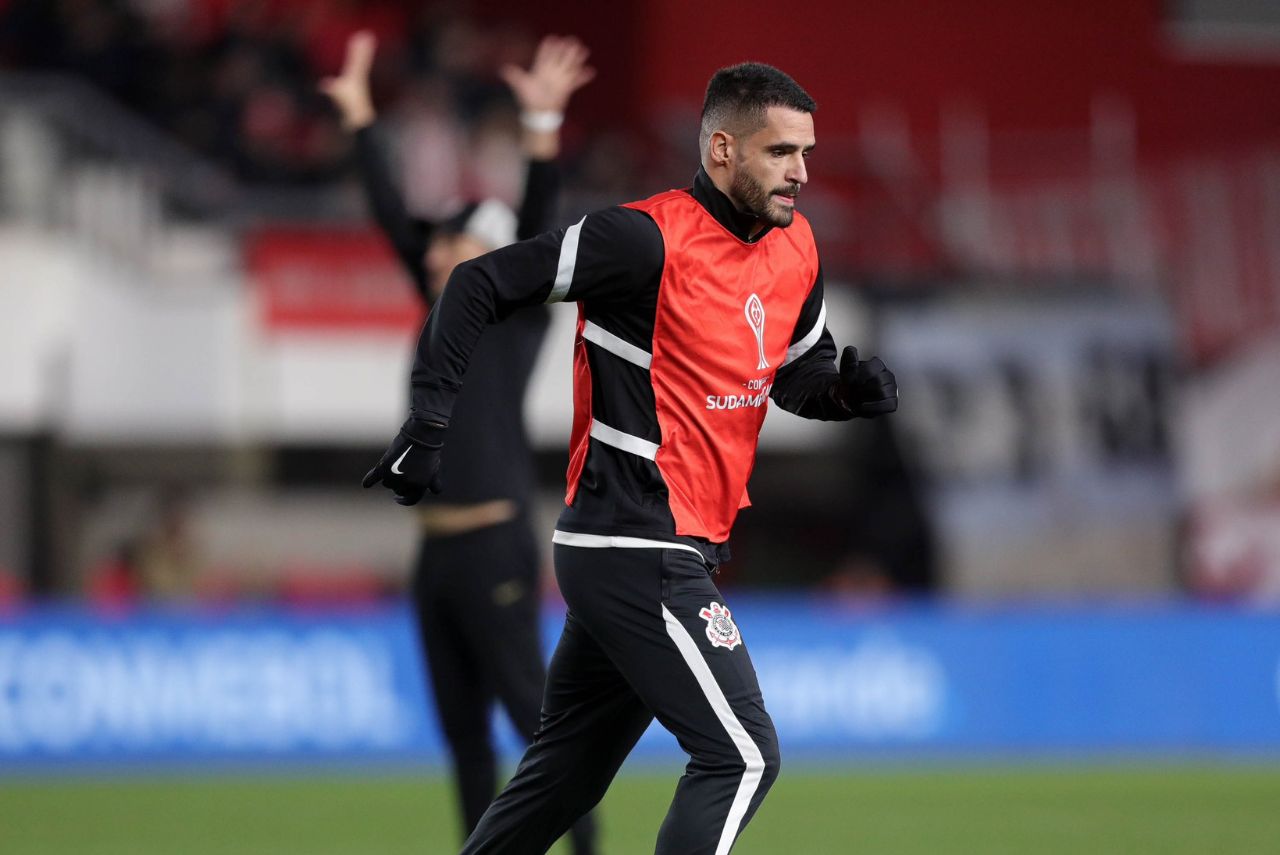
(647, 634)
(477, 602)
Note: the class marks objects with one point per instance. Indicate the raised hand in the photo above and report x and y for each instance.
(559, 69)
(350, 89)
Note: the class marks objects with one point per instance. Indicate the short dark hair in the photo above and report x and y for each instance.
(738, 96)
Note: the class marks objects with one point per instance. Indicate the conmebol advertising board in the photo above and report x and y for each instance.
(152, 688)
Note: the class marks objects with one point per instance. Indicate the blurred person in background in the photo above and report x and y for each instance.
(113, 584)
(168, 558)
(476, 583)
(891, 549)
(695, 307)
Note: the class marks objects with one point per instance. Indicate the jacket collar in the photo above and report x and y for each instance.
(720, 207)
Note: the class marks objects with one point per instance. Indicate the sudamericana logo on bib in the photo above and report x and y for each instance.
(754, 310)
(757, 394)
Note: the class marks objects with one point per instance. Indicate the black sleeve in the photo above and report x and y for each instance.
(608, 256)
(541, 197)
(805, 383)
(408, 236)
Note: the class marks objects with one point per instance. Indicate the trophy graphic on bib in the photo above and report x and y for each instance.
(755, 318)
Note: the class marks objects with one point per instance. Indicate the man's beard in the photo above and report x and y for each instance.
(752, 198)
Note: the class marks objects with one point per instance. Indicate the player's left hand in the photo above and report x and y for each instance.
(867, 389)
(559, 69)
(411, 465)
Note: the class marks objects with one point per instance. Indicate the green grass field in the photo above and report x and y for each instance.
(1028, 811)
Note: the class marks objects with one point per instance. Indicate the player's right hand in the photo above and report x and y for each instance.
(411, 465)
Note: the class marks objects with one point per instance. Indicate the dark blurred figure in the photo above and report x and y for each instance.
(891, 545)
(476, 584)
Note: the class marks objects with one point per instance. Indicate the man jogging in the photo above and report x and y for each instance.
(695, 308)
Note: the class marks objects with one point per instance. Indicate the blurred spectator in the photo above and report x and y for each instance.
(155, 559)
(168, 562)
(113, 583)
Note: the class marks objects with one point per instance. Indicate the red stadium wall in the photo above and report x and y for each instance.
(1028, 65)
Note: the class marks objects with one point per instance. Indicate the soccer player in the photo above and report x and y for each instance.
(695, 308)
(475, 586)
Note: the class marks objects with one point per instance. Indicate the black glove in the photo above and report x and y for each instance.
(411, 465)
(867, 389)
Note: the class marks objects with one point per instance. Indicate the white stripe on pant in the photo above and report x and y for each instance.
(750, 753)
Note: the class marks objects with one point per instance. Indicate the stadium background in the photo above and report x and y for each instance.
(1034, 611)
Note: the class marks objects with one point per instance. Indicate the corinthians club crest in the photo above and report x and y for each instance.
(721, 630)
(754, 310)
